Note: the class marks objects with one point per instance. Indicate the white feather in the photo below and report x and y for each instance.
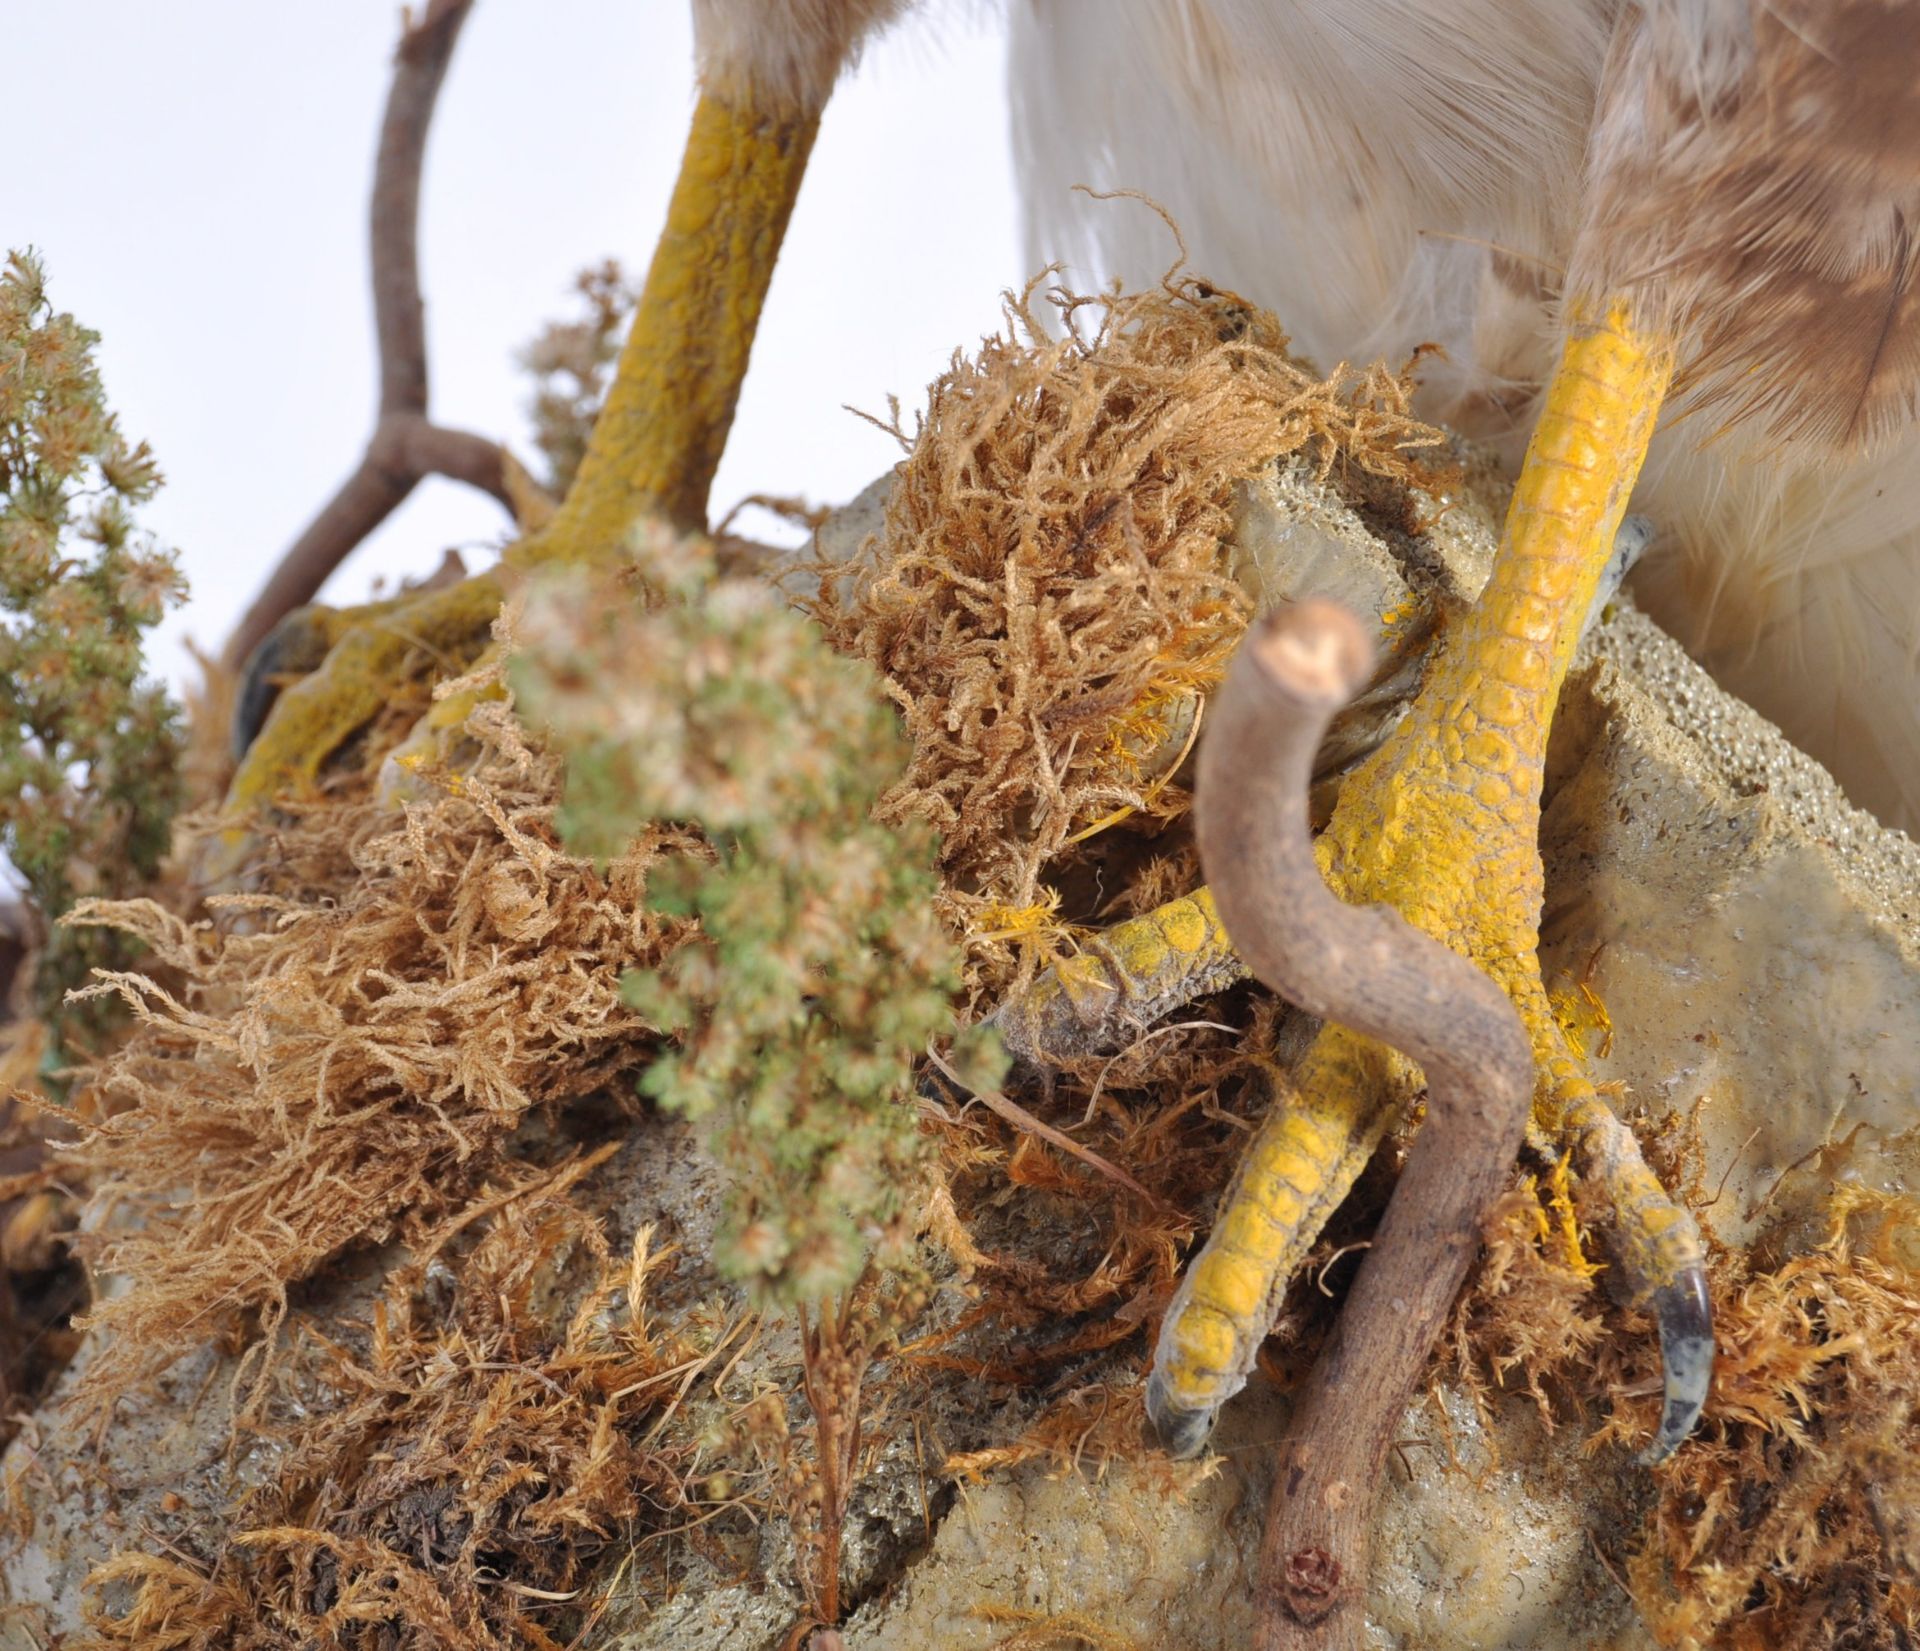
(1376, 172)
(783, 54)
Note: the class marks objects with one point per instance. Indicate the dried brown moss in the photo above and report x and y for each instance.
(40, 1287)
(1787, 1519)
(463, 1466)
(1051, 593)
(1530, 1315)
(352, 1048)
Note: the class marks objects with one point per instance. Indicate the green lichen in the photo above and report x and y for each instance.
(89, 751)
(821, 970)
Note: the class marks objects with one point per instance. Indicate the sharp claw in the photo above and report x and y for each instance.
(294, 647)
(1686, 1360)
(1183, 1434)
(1630, 543)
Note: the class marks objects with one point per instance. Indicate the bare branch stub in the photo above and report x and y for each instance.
(406, 446)
(1367, 968)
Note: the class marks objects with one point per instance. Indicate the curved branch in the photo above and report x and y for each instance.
(399, 313)
(405, 447)
(1367, 968)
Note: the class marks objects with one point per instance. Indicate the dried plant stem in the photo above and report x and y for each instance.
(837, 1345)
(832, 1364)
(1017, 1115)
(406, 446)
(1370, 970)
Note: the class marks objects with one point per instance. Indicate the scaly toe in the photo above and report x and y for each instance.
(1659, 1262)
(294, 648)
(376, 650)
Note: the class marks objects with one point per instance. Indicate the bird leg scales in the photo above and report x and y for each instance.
(1441, 823)
(1125, 979)
(653, 451)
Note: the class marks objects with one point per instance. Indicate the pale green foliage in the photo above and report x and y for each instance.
(822, 970)
(89, 753)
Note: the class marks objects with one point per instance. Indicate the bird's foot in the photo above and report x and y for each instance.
(652, 456)
(323, 673)
(1129, 975)
(354, 663)
(1441, 823)
(1471, 876)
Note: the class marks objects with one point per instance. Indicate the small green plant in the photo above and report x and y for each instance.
(89, 752)
(820, 970)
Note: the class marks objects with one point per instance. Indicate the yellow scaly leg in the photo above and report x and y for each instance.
(1127, 977)
(1443, 823)
(653, 452)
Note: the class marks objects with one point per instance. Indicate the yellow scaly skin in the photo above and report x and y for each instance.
(1327, 1117)
(1442, 822)
(653, 452)
(1128, 975)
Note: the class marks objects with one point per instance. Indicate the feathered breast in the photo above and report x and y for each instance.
(1754, 182)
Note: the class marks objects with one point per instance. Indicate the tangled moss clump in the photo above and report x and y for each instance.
(1052, 594)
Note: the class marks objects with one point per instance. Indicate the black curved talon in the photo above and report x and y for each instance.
(1183, 1434)
(297, 646)
(1630, 542)
(1685, 1317)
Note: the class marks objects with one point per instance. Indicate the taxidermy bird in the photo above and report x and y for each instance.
(1601, 210)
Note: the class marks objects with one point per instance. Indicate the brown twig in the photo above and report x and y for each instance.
(406, 446)
(1368, 969)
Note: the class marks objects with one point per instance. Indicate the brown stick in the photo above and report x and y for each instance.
(406, 447)
(1368, 969)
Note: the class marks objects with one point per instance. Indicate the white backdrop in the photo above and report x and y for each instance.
(196, 176)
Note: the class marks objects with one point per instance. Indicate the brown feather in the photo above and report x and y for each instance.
(1754, 182)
